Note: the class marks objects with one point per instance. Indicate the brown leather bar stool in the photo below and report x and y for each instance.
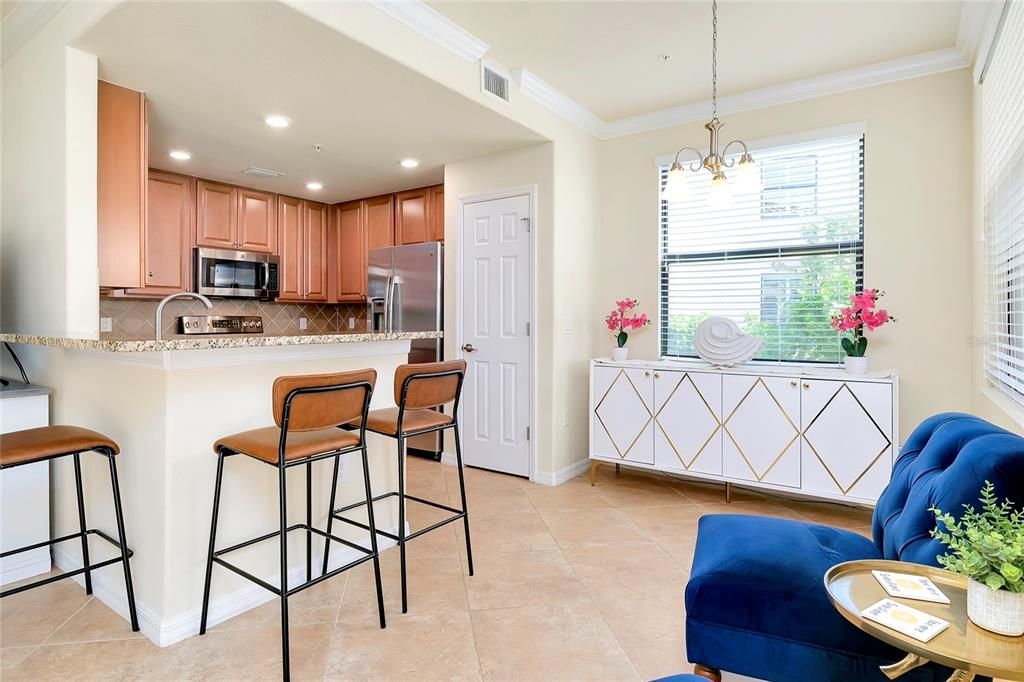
(19, 448)
(418, 388)
(308, 411)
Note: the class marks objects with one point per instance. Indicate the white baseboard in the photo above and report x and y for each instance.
(25, 565)
(167, 632)
(562, 475)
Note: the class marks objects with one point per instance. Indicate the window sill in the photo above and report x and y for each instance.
(1012, 410)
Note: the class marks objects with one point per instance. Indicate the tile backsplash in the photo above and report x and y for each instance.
(133, 318)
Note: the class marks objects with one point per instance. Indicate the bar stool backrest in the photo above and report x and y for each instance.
(429, 391)
(322, 400)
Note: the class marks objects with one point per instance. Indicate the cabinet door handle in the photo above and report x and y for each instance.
(647, 373)
(806, 385)
(657, 375)
(792, 383)
(151, 273)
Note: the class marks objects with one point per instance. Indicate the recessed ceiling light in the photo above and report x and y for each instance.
(314, 185)
(409, 163)
(277, 121)
(180, 154)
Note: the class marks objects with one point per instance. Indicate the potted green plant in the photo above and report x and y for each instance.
(987, 546)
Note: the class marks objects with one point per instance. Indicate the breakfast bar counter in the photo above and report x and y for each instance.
(165, 403)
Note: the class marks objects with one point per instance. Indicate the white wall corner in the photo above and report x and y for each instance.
(23, 21)
(562, 475)
(974, 23)
(530, 85)
(431, 24)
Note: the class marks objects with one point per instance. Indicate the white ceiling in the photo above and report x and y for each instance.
(211, 72)
(605, 55)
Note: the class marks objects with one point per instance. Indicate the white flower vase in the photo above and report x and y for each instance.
(999, 611)
(620, 353)
(856, 365)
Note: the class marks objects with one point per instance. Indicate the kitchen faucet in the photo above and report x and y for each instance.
(166, 300)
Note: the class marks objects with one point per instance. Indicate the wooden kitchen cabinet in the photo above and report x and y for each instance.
(216, 215)
(412, 218)
(435, 204)
(122, 165)
(257, 221)
(302, 249)
(168, 234)
(348, 251)
(380, 221)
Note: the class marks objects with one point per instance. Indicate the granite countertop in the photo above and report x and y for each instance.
(208, 342)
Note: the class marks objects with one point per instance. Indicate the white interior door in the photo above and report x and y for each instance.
(495, 319)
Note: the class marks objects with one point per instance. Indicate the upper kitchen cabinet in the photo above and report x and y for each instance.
(435, 203)
(348, 251)
(302, 248)
(122, 164)
(380, 221)
(216, 215)
(168, 233)
(229, 217)
(412, 217)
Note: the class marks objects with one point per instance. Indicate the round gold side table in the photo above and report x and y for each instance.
(963, 646)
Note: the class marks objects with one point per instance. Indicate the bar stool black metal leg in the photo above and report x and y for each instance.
(330, 513)
(82, 526)
(401, 520)
(129, 589)
(282, 496)
(462, 491)
(309, 521)
(373, 537)
(213, 540)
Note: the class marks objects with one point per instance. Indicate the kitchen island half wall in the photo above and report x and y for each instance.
(166, 403)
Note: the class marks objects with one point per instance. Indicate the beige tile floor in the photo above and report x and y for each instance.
(572, 582)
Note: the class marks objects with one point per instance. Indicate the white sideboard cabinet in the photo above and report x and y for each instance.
(819, 432)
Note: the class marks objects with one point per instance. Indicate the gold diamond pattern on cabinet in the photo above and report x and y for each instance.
(760, 414)
(620, 411)
(848, 442)
(701, 423)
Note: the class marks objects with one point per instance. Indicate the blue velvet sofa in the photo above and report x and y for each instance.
(755, 601)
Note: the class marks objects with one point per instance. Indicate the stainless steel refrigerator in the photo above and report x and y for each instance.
(406, 294)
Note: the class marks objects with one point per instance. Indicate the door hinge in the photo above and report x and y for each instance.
(526, 222)
(527, 328)
(527, 433)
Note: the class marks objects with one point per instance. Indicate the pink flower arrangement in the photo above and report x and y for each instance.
(860, 316)
(622, 320)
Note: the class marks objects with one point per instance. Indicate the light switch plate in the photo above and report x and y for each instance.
(351, 323)
(303, 323)
(106, 324)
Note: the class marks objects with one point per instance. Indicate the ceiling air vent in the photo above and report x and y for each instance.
(262, 173)
(494, 81)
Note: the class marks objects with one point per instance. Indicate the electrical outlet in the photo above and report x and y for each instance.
(565, 418)
(303, 323)
(351, 323)
(106, 324)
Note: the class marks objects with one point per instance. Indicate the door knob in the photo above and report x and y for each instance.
(469, 348)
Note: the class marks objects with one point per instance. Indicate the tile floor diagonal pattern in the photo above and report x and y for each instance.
(572, 583)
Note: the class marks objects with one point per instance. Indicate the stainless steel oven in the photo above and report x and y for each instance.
(236, 274)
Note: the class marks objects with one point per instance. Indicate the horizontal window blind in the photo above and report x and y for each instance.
(1002, 129)
(779, 260)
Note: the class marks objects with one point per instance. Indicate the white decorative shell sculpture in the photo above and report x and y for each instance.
(718, 341)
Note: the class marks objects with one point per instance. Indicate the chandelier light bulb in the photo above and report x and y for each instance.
(675, 185)
(720, 196)
(748, 176)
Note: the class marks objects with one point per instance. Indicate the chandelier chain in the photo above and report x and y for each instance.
(714, 59)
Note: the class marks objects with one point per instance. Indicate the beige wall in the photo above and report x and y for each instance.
(918, 217)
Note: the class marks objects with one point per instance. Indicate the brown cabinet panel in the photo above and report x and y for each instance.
(436, 215)
(122, 160)
(289, 248)
(411, 217)
(315, 251)
(168, 232)
(380, 221)
(216, 215)
(257, 221)
(350, 252)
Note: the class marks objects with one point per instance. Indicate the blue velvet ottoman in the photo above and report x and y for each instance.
(756, 603)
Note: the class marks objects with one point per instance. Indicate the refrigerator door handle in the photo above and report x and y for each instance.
(396, 301)
(388, 303)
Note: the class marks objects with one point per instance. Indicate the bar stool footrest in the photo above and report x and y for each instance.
(68, 574)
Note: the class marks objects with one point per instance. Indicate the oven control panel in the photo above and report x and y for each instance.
(220, 324)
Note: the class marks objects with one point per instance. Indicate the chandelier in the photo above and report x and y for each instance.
(715, 161)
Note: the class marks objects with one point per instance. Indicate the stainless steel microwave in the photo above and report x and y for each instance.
(236, 274)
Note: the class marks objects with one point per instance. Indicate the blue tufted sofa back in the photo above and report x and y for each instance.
(944, 464)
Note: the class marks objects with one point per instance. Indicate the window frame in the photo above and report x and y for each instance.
(666, 259)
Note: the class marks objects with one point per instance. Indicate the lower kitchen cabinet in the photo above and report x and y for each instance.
(819, 432)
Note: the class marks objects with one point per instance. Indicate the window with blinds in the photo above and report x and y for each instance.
(1002, 131)
(779, 259)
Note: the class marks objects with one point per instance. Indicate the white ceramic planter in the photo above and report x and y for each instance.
(1000, 611)
(620, 354)
(856, 365)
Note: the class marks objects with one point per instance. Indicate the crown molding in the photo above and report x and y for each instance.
(22, 22)
(431, 24)
(530, 85)
(927, 64)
